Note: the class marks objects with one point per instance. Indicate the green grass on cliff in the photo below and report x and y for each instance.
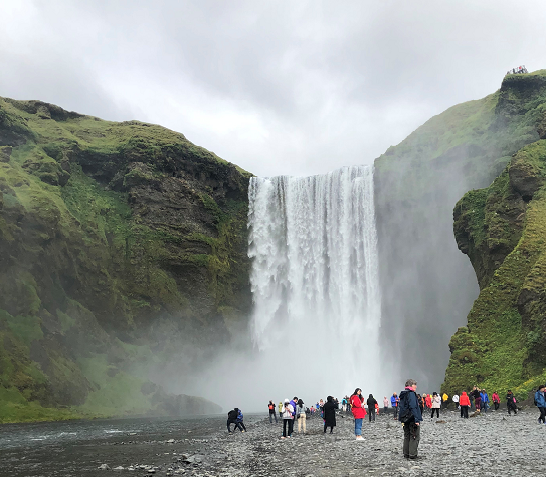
(88, 268)
(497, 350)
(480, 136)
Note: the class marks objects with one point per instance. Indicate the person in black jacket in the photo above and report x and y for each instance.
(330, 414)
(511, 402)
(409, 415)
(371, 402)
(421, 403)
(232, 419)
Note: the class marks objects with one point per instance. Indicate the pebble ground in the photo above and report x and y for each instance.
(492, 444)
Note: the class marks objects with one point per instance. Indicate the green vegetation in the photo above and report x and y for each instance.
(109, 233)
(503, 346)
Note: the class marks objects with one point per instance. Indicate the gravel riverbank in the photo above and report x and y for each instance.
(487, 445)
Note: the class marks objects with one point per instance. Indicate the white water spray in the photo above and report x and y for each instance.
(315, 281)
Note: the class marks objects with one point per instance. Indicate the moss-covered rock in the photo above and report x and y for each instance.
(110, 232)
(503, 230)
(427, 286)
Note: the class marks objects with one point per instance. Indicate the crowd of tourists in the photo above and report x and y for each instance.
(518, 71)
(408, 408)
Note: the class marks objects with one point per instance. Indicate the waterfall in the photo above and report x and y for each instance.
(314, 277)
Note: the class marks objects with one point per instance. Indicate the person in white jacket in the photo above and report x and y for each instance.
(455, 399)
(436, 403)
(288, 419)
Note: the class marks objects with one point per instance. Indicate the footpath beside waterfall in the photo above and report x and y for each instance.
(314, 276)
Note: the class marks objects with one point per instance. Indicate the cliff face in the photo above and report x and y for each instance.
(502, 230)
(120, 243)
(427, 285)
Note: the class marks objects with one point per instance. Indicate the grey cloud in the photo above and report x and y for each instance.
(332, 82)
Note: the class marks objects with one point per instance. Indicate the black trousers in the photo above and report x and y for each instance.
(412, 435)
(437, 412)
(331, 428)
(290, 424)
(542, 414)
(464, 412)
(496, 406)
(511, 407)
(371, 414)
(236, 426)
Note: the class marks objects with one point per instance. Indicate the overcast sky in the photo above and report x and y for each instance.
(295, 87)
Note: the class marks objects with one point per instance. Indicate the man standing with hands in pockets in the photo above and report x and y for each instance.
(409, 415)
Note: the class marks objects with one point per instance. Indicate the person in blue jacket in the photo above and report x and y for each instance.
(541, 403)
(294, 403)
(409, 415)
(485, 400)
(240, 420)
(394, 404)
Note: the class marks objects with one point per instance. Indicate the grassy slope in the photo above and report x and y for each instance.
(417, 184)
(498, 350)
(110, 249)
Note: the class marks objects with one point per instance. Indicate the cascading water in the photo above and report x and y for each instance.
(315, 280)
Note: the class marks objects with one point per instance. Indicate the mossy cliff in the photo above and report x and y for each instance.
(120, 243)
(502, 229)
(428, 287)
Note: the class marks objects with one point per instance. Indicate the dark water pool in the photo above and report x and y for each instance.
(78, 448)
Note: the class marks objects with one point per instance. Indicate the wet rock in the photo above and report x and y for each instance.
(104, 467)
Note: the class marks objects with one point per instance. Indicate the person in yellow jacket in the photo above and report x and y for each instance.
(445, 397)
(280, 408)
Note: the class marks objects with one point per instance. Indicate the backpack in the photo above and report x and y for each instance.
(232, 414)
(407, 416)
(270, 407)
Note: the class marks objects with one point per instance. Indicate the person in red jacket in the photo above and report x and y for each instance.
(464, 404)
(359, 413)
(428, 401)
(496, 400)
